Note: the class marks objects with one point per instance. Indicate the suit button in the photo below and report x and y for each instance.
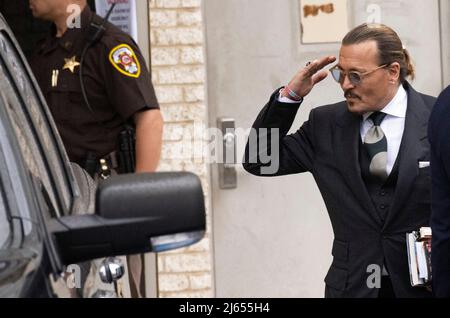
(68, 45)
(383, 207)
(383, 193)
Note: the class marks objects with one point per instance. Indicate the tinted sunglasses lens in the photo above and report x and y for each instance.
(355, 78)
(337, 74)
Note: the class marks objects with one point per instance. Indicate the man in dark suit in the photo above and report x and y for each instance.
(369, 156)
(439, 136)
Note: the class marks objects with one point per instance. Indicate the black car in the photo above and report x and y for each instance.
(51, 213)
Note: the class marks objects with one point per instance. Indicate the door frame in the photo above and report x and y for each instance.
(143, 25)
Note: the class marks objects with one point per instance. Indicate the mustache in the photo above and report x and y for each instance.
(349, 94)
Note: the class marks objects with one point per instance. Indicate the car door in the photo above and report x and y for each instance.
(37, 180)
(21, 245)
(34, 125)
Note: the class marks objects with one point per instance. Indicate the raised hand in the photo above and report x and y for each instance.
(304, 81)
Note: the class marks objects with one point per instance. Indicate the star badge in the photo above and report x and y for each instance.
(71, 64)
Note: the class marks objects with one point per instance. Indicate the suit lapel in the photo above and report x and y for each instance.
(416, 123)
(346, 147)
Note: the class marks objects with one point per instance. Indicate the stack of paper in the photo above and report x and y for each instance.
(419, 256)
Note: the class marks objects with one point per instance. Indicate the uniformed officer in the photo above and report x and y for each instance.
(118, 88)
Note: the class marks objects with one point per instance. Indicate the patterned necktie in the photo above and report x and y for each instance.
(376, 146)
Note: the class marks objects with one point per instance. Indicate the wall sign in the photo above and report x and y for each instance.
(123, 16)
(323, 21)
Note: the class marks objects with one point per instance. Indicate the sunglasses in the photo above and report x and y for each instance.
(354, 77)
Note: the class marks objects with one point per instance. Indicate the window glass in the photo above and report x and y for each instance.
(36, 136)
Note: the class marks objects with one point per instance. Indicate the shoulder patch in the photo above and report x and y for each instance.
(123, 58)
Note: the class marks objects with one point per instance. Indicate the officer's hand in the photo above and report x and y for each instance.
(304, 81)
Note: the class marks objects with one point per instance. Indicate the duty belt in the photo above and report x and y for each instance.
(101, 167)
(106, 164)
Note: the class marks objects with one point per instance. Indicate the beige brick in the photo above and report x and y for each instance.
(174, 132)
(181, 75)
(189, 18)
(163, 18)
(173, 283)
(192, 55)
(181, 165)
(202, 246)
(177, 150)
(178, 251)
(200, 170)
(191, 3)
(201, 130)
(189, 294)
(154, 77)
(183, 112)
(202, 281)
(161, 267)
(188, 262)
(152, 3)
(152, 38)
(169, 94)
(167, 3)
(166, 166)
(194, 93)
(165, 56)
(178, 36)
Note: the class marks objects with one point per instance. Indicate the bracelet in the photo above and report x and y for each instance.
(293, 94)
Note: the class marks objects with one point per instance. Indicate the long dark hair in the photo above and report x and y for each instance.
(390, 47)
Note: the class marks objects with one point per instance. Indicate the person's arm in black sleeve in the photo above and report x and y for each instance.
(292, 154)
(440, 171)
(270, 151)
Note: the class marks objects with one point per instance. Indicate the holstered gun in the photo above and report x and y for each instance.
(126, 153)
(91, 164)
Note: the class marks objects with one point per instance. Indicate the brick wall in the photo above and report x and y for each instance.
(178, 69)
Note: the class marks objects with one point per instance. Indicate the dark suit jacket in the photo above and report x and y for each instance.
(327, 146)
(439, 136)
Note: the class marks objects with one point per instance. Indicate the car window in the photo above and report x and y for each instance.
(25, 139)
(39, 144)
(20, 241)
(15, 208)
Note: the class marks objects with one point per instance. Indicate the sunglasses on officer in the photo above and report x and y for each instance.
(354, 77)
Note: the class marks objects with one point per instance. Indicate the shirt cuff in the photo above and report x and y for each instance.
(286, 100)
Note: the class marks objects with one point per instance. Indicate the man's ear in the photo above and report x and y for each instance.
(394, 71)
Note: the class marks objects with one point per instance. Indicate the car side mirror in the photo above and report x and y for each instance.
(135, 213)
